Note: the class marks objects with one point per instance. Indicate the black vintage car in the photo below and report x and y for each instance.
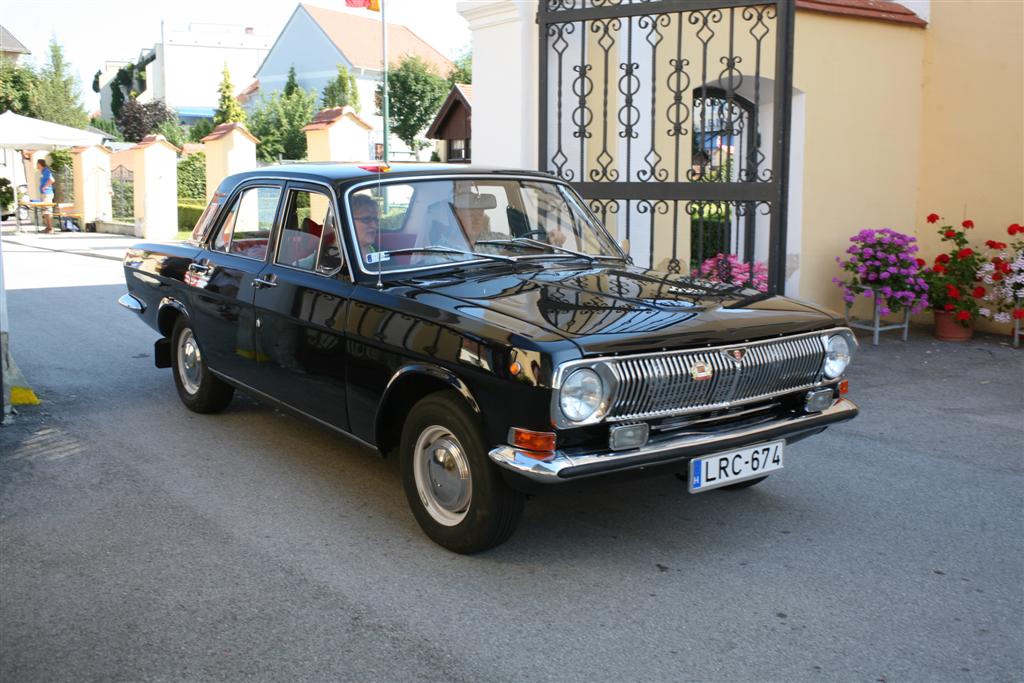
(483, 327)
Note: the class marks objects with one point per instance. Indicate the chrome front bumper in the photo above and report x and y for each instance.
(132, 303)
(563, 466)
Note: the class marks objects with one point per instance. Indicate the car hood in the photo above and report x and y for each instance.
(620, 309)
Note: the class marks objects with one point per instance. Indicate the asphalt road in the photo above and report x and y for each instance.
(139, 541)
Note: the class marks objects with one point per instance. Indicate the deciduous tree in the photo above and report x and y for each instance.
(18, 88)
(278, 121)
(139, 120)
(462, 72)
(415, 94)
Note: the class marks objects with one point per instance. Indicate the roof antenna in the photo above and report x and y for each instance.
(380, 259)
(384, 110)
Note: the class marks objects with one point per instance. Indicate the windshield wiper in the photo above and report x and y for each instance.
(443, 250)
(520, 241)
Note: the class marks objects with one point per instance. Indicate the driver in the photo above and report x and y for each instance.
(470, 210)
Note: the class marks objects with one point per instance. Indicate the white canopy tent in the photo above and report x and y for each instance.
(24, 132)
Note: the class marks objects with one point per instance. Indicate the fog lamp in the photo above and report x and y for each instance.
(818, 400)
(628, 436)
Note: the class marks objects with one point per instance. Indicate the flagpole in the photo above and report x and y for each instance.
(384, 33)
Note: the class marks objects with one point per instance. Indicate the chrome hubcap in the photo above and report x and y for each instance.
(442, 475)
(190, 368)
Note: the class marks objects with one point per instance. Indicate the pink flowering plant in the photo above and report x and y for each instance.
(882, 263)
(728, 269)
(1002, 273)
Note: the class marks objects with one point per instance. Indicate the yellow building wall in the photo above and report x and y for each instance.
(862, 80)
(972, 124)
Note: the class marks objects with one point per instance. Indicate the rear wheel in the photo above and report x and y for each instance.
(198, 389)
(455, 492)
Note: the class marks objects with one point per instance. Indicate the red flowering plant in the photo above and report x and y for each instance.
(1002, 275)
(953, 283)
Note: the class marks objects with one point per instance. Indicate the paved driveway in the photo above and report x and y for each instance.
(139, 541)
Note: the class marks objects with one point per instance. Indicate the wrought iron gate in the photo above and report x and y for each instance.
(672, 118)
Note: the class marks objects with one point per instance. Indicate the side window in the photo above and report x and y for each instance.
(246, 228)
(309, 235)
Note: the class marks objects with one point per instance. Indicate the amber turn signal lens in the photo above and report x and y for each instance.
(844, 387)
(515, 368)
(541, 443)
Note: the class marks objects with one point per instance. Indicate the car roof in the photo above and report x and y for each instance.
(334, 172)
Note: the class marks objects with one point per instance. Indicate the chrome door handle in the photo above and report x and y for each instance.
(198, 268)
(260, 283)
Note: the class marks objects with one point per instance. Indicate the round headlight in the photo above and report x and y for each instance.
(837, 356)
(581, 394)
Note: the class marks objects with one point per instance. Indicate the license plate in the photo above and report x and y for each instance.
(731, 467)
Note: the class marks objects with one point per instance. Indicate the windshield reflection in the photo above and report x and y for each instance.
(423, 223)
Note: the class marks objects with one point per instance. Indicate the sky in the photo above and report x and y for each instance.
(95, 31)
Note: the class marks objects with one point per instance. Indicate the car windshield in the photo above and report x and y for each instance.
(425, 223)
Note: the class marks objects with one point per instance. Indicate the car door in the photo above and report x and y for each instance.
(300, 309)
(224, 277)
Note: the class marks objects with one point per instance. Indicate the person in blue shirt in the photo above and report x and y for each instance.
(46, 182)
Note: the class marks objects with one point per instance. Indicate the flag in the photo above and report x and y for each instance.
(372, 5)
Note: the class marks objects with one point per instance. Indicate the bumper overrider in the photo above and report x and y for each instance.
(561, 466)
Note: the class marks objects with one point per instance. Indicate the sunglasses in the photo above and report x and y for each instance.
(367, 219)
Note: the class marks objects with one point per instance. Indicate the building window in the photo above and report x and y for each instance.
(458, 150)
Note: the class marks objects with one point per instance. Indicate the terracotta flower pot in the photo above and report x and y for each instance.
(948, 328)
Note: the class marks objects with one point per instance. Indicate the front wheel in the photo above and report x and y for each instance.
(198, 389)
(455, 492)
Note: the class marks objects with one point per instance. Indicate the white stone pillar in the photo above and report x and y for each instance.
(338, 134)
(229, 149)
(156, 189)
(92, 183)
(505, 45)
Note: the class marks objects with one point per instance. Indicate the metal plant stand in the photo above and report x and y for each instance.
(875, 326)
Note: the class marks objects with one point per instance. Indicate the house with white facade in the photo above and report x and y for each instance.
(315, 41)
(10, 47)
(185, 68)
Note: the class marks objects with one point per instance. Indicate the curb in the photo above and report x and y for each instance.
(21, 392)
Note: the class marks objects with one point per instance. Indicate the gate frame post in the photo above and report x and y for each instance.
(783, 115)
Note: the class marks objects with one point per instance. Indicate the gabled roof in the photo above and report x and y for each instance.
(155, 139)
(328, 117)
(8, 43)
(864, 9)
(226, 128)
(249, 92)
(461, 93)
(358, 39)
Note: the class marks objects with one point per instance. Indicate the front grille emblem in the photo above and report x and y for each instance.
(700, 371)
(736, 354)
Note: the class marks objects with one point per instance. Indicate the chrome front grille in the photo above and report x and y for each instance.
(657, 385)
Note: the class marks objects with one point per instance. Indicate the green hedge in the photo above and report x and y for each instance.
(192, 178)
(188, 215)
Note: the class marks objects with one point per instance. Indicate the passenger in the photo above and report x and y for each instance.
(366, 217)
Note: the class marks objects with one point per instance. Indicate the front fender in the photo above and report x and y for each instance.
(393, 398)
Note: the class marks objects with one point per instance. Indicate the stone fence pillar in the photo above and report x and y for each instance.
(92, 183)
(156, 188)
(338, 134)
(229, 149)
(505, 46)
